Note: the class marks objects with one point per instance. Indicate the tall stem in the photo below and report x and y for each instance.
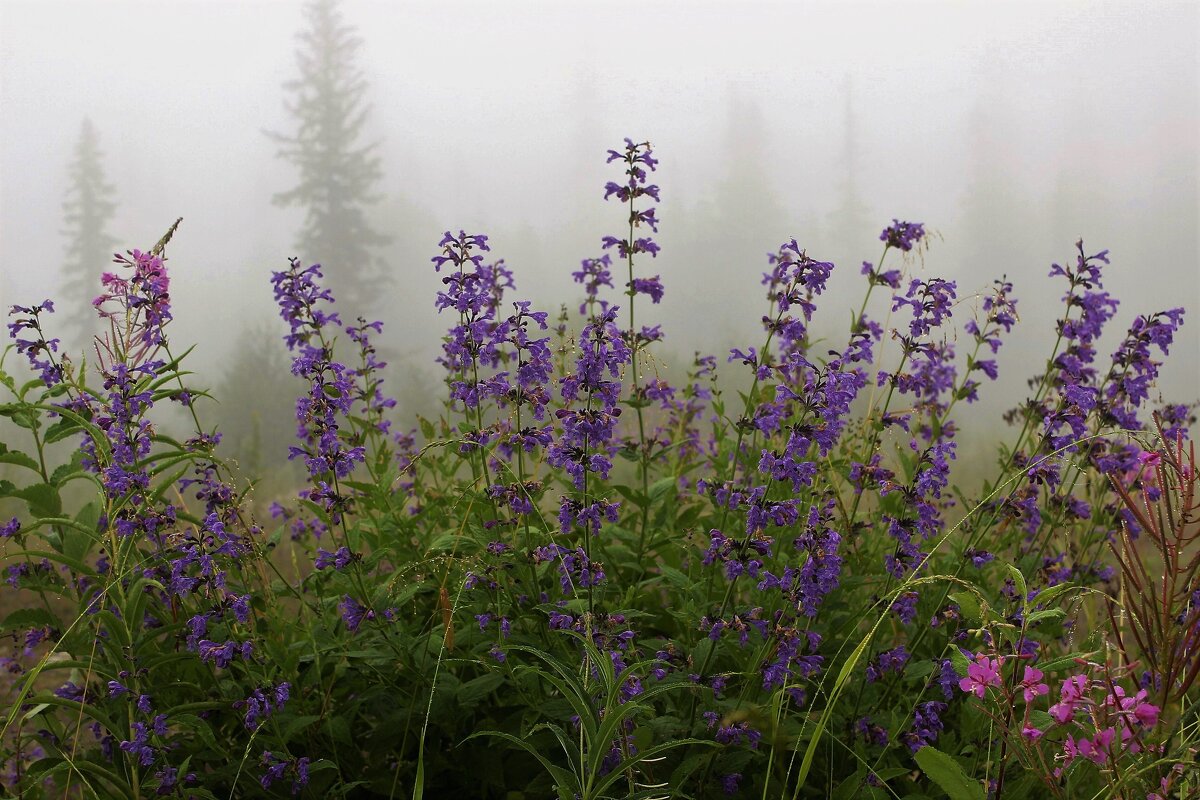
(635, 393)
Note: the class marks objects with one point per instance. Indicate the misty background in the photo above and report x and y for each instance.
(1010, 130)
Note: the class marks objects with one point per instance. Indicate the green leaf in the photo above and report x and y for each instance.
(959, 662)
(661, 487)
(63, 472)
(42, 498)
(1041, 720)
(1054, 665)
(1044, 614)
(565, 781)
(1046, 595)
(30, 618)
(297, 724)
(675, 577)
(946, 773)
(61, 430)
(637, 498)
(1019, 581)
(476, 689)
(968, 605)
(20, 414)
(919, 669)
(17, 457)
(76, 541)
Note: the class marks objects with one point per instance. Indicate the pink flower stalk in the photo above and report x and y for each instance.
(983, 673)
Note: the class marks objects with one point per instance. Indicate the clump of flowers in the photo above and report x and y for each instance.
(647, 578)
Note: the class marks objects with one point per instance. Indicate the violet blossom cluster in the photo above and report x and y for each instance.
(593, 273)
(1064, 416)
(140, 303)
(922, 519)
(793, 282)
(902, 235)
(999, 316)
(279, 768)
(368, 391)
(685, 409)
(516, 364)
(38, 350)
(930, 374)
(330, 397)
(639, 161)
(806, 586)
(587, 442)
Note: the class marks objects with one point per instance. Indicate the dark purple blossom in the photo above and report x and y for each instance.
(651, 286)
(927, 724)
(902, 235)
(38, 350)
(354, 613)
(340, 559)
(871, 733)
(905, 606)
(893, 660)
(263, 702)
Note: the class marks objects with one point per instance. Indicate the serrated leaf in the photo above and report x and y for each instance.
(20, 415)
(675, 577)
(63, 472)
(17, 457)
(1046, 595)
(30, 618)
(42, 498)
(1065, 661)
(297, 724)
(917, 669)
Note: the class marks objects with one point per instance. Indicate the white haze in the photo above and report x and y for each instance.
(1010, 129)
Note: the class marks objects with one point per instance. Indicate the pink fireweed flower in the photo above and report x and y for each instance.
(1074, 687)
(1031, 733)
(1032, 685)
(1146, 714)
(983, 673)
(1095, 750)
(1143, 713)
(1062, 712)
(1072, 692)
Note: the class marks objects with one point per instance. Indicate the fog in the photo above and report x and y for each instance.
(1010, 130)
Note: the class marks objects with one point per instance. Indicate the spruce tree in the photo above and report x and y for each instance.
(338, 173)
(88, 210)
(851, 226)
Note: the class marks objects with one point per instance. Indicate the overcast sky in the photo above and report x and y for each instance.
(1011, 129)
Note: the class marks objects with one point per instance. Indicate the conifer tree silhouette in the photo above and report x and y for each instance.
(338, 172)
(88, 210)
